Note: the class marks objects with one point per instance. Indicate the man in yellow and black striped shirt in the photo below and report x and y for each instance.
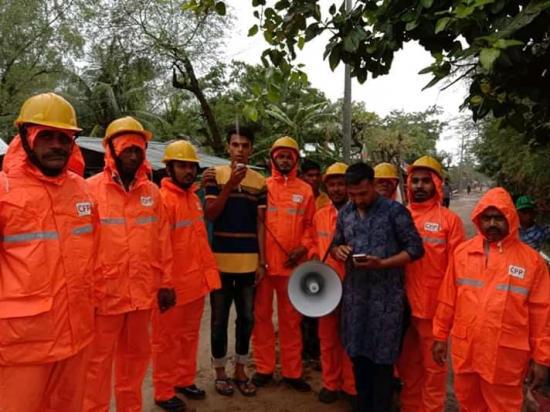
(236, 198)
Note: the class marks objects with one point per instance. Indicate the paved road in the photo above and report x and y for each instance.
(276, 398)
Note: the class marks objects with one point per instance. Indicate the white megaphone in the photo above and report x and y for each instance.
(314, 289)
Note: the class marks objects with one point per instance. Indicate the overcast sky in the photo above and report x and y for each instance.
(401, 89)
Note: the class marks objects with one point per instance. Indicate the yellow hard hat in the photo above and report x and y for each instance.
(385, 171)
(48, 109)
(180, 150)
(335, 169)
(286, 142)
(428, 162)
(126, 125)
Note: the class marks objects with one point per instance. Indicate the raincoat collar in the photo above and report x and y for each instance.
(16, 161)
(168, 184)
(500, 199)
(428, 204)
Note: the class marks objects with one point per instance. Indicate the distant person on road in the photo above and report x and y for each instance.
(495, 305)
(375, 237)
(530, 232)
(468, 188)
(447, 193)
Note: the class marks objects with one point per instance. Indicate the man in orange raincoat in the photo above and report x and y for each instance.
(336, 365)
(441, 231)
(289, 219)
(134, 266)
(47, 221)
(176, 332)
(495, 305)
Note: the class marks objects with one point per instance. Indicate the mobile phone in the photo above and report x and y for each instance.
(360, 257)
(240, 165)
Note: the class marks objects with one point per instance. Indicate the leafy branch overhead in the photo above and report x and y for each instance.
(500, 47)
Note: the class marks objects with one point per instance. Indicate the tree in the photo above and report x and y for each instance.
(38, 39)
(501, 47)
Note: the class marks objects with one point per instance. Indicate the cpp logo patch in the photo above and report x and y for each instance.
(431, 227)
(296, 198)
(147, 201)
(516, 271)
(84, 208)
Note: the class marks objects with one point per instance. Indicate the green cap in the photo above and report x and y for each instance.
(525, 202)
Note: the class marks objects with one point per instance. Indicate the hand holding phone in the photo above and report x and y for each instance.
(360, 257)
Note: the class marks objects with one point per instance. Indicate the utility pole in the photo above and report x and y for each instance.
(346, 110)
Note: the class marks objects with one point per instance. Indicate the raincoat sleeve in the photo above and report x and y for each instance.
(313, 248)
(456, 234)
(166, 255)
(539, 315)
(309, 232)
(444, 314)
(97, 274)
(405, 231)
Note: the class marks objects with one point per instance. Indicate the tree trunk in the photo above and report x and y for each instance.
(191, 84)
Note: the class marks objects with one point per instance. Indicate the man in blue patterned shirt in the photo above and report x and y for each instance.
(530, 232)
(375, 237)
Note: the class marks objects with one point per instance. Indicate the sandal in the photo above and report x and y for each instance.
(245, 387)
(224, 387)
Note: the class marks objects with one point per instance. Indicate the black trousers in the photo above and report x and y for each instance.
(374, 385)
(311, 349)
(238, 288)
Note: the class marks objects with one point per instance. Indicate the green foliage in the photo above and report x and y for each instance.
(36, 39)
(501, 47)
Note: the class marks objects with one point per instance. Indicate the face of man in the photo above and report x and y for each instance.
(183, 173)
(362, 195)
(52, 150)
(526, 217)
(313, 178)
(284, 160)
(493, 224)
(130, 159)
(422, 185)
(385, 187)
(239, 149)
(336, 189)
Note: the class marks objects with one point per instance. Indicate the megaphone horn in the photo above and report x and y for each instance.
(314, 289)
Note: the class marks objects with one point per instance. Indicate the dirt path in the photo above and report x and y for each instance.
(275, 398)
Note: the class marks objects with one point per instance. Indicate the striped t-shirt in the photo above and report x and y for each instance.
(235, 241)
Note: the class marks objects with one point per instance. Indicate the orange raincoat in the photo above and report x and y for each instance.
(336, 365)
(134, 262)
(176, 332)
(495, 304)
(442, 231)
(46, 288)
(289, 218)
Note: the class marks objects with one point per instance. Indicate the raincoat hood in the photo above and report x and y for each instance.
(123, 142)
(438, 197)
(16, 160)
(276, 173)
(500, 199)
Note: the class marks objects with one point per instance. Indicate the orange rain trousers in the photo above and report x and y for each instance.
(424, 380)
(336, 365)
(263, 335)
(124, 340)
(175, 343)
(48, 387)
(475, 394)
